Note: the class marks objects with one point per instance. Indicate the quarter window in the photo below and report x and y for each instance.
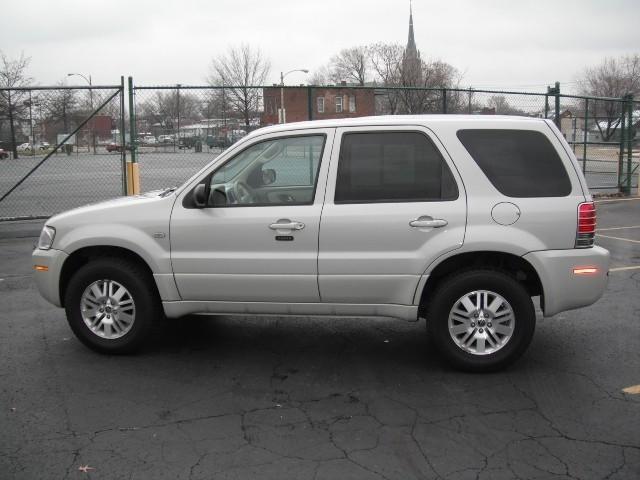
(392, 167)
(519, 163)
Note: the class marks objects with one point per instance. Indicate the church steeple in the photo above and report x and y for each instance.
(411, 50)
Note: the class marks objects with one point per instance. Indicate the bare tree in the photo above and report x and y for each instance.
(322, 76)
(425, 82)
(168, 108)
(386, 63)
(238, 69)
(351, 65)
(614, 78)
(61, 105)
(500, 103)
(13, 74)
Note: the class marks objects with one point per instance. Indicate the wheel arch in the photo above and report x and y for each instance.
(84, 255)
(514, 265)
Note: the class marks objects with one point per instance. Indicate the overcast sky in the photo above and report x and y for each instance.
(497, 43)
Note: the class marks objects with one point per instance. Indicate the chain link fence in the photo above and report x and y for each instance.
(60, 147)
(181, 128)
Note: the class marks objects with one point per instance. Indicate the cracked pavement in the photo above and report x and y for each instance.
(300, 398)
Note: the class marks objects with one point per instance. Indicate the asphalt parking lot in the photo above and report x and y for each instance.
(299, 398)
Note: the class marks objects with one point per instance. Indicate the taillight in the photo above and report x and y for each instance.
(586, 233)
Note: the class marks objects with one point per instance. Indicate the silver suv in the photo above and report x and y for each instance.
(461, 220)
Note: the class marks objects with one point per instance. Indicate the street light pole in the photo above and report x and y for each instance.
(88, 80)
(283, 115)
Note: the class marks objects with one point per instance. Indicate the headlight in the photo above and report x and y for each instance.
(46, 237)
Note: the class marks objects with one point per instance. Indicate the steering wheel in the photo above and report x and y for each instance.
(242, 194)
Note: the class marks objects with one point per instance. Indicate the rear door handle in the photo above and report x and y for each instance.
(428, 222)
(286, 224)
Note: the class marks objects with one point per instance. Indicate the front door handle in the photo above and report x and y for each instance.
(428, 222)
(286, 224)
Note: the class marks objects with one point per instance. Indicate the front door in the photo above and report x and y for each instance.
(394, 204)
(257, 238)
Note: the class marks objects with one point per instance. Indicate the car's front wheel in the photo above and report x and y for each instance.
(111, 304)
(481, 320)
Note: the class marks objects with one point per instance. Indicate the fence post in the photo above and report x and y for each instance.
(134, 171)
(123, 141)
(557, 105)
(178, 108)
(546, 103)
(623, 131)
(310, 102)
(585, 138)
(629, 140)
(444, 100)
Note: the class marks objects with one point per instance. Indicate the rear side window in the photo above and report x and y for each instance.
(519, 163)
(382, 167)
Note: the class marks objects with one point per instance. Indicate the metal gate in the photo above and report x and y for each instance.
(62, 147)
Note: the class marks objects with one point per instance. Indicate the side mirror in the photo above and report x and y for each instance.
(268, 176)
(200, 196)
(219, 197)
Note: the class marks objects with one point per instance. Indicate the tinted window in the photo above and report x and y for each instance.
(392, 167)
(519, 163)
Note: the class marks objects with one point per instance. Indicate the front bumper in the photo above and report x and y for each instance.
(48, 281)
(562, 288)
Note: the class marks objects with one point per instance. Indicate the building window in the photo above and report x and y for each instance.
(320, 104)
(352, 103)
(338, 104)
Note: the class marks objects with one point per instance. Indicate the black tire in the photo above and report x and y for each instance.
(141, 287)
(456, 286)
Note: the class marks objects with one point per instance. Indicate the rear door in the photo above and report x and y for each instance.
(394, 203)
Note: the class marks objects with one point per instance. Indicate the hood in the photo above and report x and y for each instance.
(120, 208)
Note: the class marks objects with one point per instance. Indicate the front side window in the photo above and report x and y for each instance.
(392, 167)
(339, 104)
(519, 163)
(320, 104)
(274, 172)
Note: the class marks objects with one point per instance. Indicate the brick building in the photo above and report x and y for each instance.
(325, 103)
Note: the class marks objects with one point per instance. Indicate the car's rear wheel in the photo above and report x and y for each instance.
(481, 320)
(111, 304)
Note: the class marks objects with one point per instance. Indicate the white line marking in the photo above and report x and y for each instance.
(617, 238)
(615, 228)
(622, 269)
(617, 200)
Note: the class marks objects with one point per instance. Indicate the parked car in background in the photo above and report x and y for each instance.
(44, 146)
(149, 140)
(220, 141)
(25, 147)
(113, 147)
(165, 138)
(187, 142)
(237, 135)
(459, 220)
(3, 153)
